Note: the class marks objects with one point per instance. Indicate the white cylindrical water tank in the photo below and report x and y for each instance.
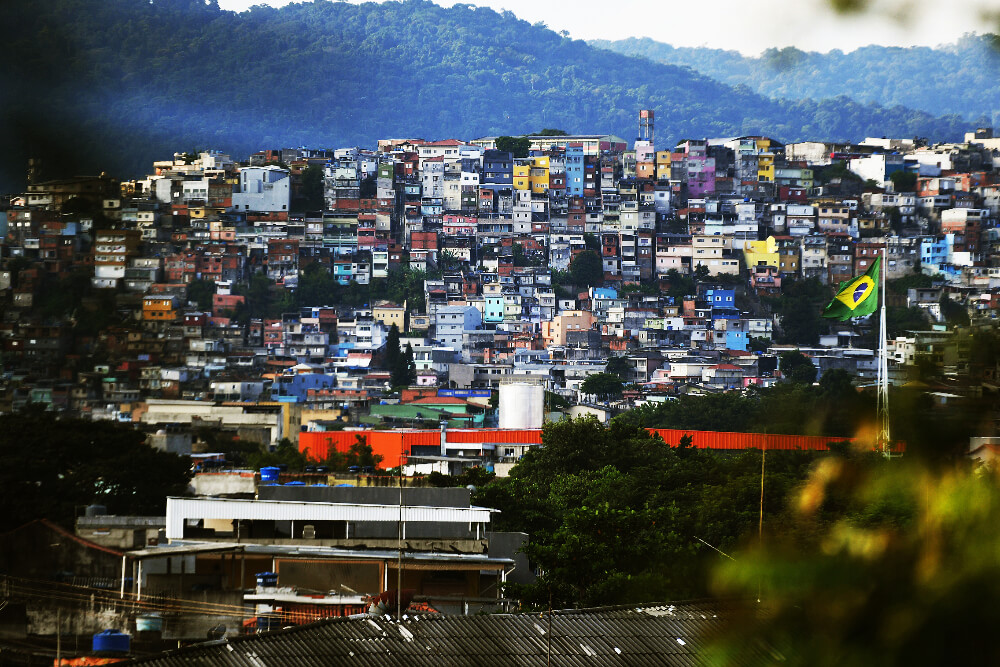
(522, 405)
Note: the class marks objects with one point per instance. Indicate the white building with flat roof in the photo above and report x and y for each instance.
(263, 189)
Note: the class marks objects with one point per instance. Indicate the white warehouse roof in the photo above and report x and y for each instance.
(181, 509)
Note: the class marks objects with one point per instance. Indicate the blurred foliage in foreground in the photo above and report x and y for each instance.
(906, 573)
(617, 515)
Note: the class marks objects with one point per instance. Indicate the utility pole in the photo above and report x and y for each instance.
(399, 543)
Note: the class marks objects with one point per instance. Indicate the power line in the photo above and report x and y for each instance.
(70, 593)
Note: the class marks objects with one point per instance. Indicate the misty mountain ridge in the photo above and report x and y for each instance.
(961, 78)
(112, 85)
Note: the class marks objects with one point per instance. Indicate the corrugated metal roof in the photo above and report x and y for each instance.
(417, 559)
(732, 440)
(392, 445)
(644, 635)
(496, 435)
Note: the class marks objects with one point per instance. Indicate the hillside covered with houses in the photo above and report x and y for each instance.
(422, 380)
(387, 330)
(298, 291)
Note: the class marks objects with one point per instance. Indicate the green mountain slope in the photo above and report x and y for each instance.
(961, 78)
(114, 84)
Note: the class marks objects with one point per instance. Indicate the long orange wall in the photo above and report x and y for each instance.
(392, 446)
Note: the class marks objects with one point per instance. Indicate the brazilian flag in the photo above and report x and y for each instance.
(856, 297)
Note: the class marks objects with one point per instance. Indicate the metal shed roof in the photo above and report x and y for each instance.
(414, 559)
(653, 635)
(180, 509)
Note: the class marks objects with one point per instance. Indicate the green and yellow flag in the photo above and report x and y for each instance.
(856, 297)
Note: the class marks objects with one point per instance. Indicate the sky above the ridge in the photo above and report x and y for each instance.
(748, 26)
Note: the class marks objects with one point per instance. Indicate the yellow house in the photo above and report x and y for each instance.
(389, 314)
(539, 174)
(522, 176)
(765, 167)
(761, 253)
(663, 160)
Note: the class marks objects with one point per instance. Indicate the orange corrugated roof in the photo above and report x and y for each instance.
(525, 436)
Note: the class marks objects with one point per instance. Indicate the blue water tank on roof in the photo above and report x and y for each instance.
(112, 641)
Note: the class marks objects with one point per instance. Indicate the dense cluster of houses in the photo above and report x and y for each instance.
(683, 245)
(497, 237)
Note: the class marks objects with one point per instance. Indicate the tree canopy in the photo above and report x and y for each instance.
(903, 180)
(602, 385)
(586, 269)
(618, 366)
(616, 515)
(311, 190)
(200, 291)
(52, 467)
(317, 286)
(797, 367)
(833, 408)
(518, 146)
(800, 306)
(399, 362)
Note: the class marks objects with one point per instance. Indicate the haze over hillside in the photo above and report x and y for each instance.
(114, 84)
(961, 78)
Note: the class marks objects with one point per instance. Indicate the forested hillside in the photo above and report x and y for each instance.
(114, 84)
(961, 78)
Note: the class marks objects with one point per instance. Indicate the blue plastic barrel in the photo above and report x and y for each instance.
(112, 641)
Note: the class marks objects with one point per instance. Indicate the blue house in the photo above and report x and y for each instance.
(737, 340)
(493, 308)
(574, 170)
(295, 388)
(934, 252)
(498, 168)
(723, 304)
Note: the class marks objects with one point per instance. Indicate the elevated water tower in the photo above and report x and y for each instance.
(646, 117)
(522, 405)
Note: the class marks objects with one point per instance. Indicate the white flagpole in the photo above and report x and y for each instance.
(882, 401)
